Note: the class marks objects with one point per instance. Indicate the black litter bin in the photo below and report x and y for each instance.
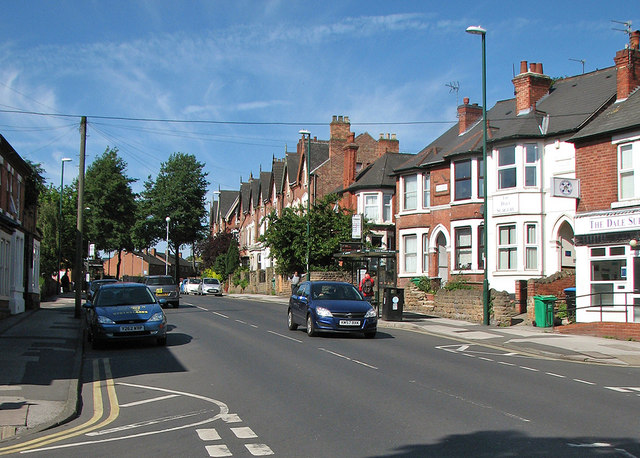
(392, 304)
(570, 295)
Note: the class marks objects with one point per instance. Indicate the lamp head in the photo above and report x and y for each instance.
(66, 159)
(476, 30)
(304, 132)
(633, 243)
(167, 219)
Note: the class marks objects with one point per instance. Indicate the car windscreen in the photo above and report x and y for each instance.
(194, 281)
(135, 295)
(211, 281)
(154, 281)
(335, 292)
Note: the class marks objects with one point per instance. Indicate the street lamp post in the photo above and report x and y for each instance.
(63, 160)
(477, 30)
(308, 157)
(166, 251)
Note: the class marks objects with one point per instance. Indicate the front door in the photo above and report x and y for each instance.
(443, 259)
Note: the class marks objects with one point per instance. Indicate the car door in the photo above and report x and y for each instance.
(299, 303)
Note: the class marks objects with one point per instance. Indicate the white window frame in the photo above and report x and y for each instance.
(510, 247)
(468, 179)
(507, 167)
(426, 190)
(425, 253)
(408, 194)
(5, 265)
(531, 246)
(375, 206)
(468, 248)
(629, 171)
(531, 163)
(387, 208)
(410, 255)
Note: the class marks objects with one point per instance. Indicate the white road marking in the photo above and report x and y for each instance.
(617, 388)
(231, 418)
(505, 363)
(208, 434)
(220, 314)
(347, 358)
(218, 450)
(145, 401)
(486, 359)
(259, 449)
(462, 348)
(529, 368)
(146, 423)
(555, 375)
(240, 321)
(583, 381)
(244, 433)
(282, 335)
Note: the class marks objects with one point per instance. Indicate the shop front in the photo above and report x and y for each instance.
(608, 266)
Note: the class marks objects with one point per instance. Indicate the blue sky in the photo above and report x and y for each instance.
(244, 77)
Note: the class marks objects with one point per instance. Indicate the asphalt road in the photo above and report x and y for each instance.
(234, 381)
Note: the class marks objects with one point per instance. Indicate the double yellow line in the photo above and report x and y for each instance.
(90, 425)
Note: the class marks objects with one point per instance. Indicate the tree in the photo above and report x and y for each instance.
(286, 235)
(51, 226)
(214, 246)
(178, 192)
(111, 203)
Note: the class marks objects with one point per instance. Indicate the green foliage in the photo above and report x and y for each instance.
(232, 261)
(286, 235)
(34, 184)
(426, 284)
(457, 282)
(54, 228)
(214, 246)
(210, 273)
(111, 204)
(178, 192)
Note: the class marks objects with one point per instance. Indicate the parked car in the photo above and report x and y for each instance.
(183, 284)
(211, 286)
(125, 311)
(95, 284)
(193, 286)
(164, 287)
(331, 306)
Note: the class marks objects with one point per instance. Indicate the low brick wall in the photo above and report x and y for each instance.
(553, 285)
(621, 331)
(282, 284)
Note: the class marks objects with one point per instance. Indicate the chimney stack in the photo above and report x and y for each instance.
(628, 67)
(467, 115)
(349, 169)
(530, 86)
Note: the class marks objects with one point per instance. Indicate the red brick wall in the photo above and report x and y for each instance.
(596, 166)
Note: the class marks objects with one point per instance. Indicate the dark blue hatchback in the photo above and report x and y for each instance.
(331, 306)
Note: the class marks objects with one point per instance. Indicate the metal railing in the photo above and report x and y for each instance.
(602, 303)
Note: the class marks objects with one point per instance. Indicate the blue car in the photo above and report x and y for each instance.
(125, 311)
(331, 306)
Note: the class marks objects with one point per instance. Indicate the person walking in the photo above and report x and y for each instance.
(366, 286)
(295, 280)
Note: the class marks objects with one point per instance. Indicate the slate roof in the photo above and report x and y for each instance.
(277, 171)
(570, 104)
(265, 186)
(226, 201)
(245, 196)
(620, 116)
(255, 192)
(292, 168)
(379, 174)
(319, 154)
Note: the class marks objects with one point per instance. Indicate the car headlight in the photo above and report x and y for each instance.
(321, 311)
(371, 313)
(157, 317)
(105, 320)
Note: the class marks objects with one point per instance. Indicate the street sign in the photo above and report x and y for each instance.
(356, 226)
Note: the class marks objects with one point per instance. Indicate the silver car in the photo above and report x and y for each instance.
(164, 287)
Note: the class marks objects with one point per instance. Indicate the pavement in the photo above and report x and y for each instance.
(41, 356)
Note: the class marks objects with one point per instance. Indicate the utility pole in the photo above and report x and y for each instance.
(78, 269)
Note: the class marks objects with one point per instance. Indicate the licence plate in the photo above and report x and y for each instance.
(159, 291)
(131, 328)
(349, 323)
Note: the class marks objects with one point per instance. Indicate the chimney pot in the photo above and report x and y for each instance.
(381, 135)
(335, 118)
(340, 119)
(532, 67)
(393, 136)
(346, 119)
(523, 66)
(465, 101)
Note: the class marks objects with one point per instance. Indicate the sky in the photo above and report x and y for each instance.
(232, 82)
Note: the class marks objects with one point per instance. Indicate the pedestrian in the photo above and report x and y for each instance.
(64, 281)
(366, 287)
(295, 280)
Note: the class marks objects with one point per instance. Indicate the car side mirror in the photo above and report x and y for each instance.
(88, 305)
(162, 302)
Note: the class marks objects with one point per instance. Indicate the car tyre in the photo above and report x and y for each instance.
(291, 324)
(311, 330)
(162, 341)
(96, 344)
(370, 335)
(176, 305)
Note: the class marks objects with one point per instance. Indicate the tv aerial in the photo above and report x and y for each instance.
(454, 86)
(626, 24)
(582, 61)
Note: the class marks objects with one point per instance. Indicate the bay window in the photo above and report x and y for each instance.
(463, 248)
(410, 243)
(531, 246)
(530, 164)
(426, 190)
(507, 167)
(628, 177)
(410, 192)
(507, 248)
(371, 207)
(386, 208)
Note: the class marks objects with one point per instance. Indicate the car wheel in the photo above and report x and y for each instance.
(370, 335)
(176, 305)
(292, 326)
(96, 344)
(162, 341)
(311, 331)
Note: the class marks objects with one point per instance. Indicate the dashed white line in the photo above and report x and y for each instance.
(486, 359)
(583, 381)
(220, 314)
(282, 335)
(505, 363)
(529, 368)
(555, 375)
(240, 321)
(208, 434)
(218, 450)
(259, 449)
(348, 359)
